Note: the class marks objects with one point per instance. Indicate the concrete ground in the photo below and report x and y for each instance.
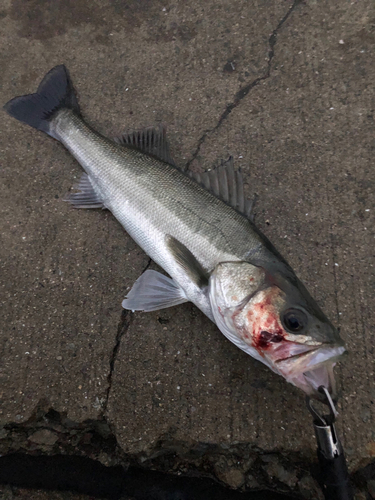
(287, 89)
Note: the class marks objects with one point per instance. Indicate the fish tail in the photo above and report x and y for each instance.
(54, 93)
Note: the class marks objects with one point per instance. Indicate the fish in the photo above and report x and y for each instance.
(198, 228)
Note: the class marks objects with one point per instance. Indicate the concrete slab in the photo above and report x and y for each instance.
(284, 87)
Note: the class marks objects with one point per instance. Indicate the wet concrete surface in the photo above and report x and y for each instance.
(284, 87)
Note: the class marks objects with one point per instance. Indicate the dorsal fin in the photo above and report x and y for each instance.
(151, 140)
(227, 184)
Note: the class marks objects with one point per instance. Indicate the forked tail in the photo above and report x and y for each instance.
(55, 92)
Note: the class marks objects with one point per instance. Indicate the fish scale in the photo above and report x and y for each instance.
(152, 199)
(201, 236)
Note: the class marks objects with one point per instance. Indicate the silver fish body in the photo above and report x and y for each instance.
(153, 200)
(215, 256)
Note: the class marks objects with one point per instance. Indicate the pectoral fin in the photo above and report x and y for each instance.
(153, 291)
(187, 261)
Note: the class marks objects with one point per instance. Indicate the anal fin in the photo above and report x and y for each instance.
(86, 197)
(153, 291)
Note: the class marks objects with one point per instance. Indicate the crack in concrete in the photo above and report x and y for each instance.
(122, 328)
(147, 266)
(241, 466)
(53, 433)
(125, 320)
(243, 92)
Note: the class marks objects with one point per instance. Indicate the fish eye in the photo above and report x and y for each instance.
(294, 320)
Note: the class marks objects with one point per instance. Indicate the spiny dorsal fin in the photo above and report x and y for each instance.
(227, 184)
(151, 140)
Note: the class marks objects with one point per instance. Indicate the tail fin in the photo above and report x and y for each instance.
(55, 92)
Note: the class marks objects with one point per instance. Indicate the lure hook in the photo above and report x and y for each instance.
(323, 420)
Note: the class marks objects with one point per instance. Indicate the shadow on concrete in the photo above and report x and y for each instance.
(86, 476)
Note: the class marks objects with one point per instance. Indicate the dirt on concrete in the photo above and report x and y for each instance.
(284, 87)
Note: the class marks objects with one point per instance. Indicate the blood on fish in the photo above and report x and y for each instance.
(265, 338)
(263, 325)
(269, 323)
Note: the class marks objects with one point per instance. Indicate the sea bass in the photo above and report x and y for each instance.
(198, 229)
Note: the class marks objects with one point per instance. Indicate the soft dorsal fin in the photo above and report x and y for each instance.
(227, 184)
(151, 140)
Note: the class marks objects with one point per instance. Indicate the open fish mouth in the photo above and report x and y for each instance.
(312, 369)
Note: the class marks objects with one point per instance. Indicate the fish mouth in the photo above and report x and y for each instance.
(312, 369)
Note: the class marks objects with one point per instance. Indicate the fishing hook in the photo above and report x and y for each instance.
(333, 470)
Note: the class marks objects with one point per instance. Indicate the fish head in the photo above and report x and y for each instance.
(274, 319)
